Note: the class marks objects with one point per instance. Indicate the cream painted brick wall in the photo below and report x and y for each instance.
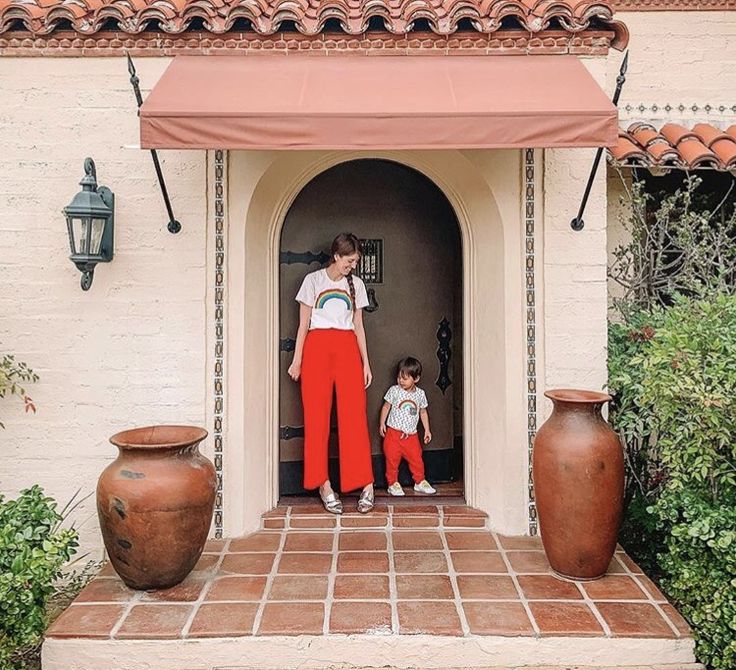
(679, 57)
(574, 268)
(130, 351)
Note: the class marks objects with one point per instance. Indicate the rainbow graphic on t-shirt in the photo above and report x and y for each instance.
(408, 404)
(333, 294)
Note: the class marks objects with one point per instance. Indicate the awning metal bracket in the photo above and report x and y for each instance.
(173, 226)
(578, 223)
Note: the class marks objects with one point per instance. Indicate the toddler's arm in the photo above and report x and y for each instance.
(384, 415)
(424, 416)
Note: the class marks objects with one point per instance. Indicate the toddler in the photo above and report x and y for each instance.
(405, 403)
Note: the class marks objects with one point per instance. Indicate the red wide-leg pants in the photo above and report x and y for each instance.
(395, 448)
(332, 359)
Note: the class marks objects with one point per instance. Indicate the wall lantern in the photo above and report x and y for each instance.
(90, 224)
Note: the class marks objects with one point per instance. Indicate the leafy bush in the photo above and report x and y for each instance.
(33, 549)
(13, 372)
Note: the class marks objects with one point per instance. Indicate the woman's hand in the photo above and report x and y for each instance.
(382, 429)
(367, 375)
(427, 437)
(295, 369)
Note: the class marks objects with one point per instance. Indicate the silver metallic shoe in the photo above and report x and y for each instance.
(366, 501)
(331, 502)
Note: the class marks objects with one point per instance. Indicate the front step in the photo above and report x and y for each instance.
(348, 652)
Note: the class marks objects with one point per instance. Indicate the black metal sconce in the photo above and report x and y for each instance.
(90, 224)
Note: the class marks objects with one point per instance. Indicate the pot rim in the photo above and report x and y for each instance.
(152, 437)
(581, 396)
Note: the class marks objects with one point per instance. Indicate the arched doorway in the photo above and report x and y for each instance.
(413, 269)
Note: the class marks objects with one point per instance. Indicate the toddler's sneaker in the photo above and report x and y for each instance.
(424, 487)
(396, 490)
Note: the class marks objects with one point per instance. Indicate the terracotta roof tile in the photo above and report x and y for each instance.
(674, 145)
(266, 17)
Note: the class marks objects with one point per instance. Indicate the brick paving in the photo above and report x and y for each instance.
(402, 570)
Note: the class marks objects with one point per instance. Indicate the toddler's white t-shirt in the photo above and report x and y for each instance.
(330, 300)
(405, 406)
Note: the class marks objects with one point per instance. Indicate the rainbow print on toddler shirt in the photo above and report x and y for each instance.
(410, 406)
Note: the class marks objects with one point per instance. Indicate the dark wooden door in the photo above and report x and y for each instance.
(415, 281)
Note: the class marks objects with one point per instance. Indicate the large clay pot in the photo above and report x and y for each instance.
(155, 504)
(578, 471)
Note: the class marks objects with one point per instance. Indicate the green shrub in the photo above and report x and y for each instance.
(13, 372)
(33, 549)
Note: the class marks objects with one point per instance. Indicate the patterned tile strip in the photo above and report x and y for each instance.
(219, 406)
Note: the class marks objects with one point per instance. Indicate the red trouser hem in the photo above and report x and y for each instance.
(332, 360)
(395, 448)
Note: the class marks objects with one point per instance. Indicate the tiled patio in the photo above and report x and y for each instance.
(401, 571)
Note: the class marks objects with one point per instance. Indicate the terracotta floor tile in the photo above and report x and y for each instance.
(206, 563)
(236, 588)
(373, 587)
(419, 561)
(315, 509)
(298, 587)
(360, 617)
(215, 546)
(634, 620)
(424, 587)
(415, 521)
(107, 571)
(188, 591)
(478, 561)
(362, 541)
(105, 590)
(497, 618)
(90, 621)
(292, 619)
(260, 541)
(274, 524)
(276, 512)
(456, 521)
(565, 619)
(223, 620)
(651, 588)
(248, 564)
(305, 564)
(416, 541)
(363, 521)
(520, 542)
(614, 587)
(351, 509)
(529, 561)
(360, 562)
(462, 510)
(629, 563)
(308, 541)
(615, 568)
(313, 522)
(486, 587)
(676, 618)
(414, 510)
(154, 621)
(548, 587)
(470, 540)
(432, 618)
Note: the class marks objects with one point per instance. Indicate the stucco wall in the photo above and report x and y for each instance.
(131, 350)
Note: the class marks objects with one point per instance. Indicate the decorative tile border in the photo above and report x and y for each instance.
(531, 326)
(668, 109)
(673, 5)
(219, 388)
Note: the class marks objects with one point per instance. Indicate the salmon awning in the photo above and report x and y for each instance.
(376, 102)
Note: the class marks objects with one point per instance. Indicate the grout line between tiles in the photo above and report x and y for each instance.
(271, 575)
(207, 586)
(133, 601)
(392, 588)
(650, 598)
(591, 605)
(514, 579)
(453, 578)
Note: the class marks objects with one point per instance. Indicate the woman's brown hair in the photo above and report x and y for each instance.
(346, 244)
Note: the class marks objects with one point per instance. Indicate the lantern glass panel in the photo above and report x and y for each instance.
(88, 235)
(98, 228)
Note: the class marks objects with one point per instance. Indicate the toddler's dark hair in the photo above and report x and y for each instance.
(410, 367)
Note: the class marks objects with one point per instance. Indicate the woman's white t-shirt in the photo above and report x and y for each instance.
(330, 300)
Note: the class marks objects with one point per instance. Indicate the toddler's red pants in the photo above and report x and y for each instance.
(395, 448)
(332, 359)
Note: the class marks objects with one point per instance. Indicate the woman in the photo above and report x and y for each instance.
(331, 351)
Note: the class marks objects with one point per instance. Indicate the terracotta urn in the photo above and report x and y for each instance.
(578, 472)
(155, 504)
